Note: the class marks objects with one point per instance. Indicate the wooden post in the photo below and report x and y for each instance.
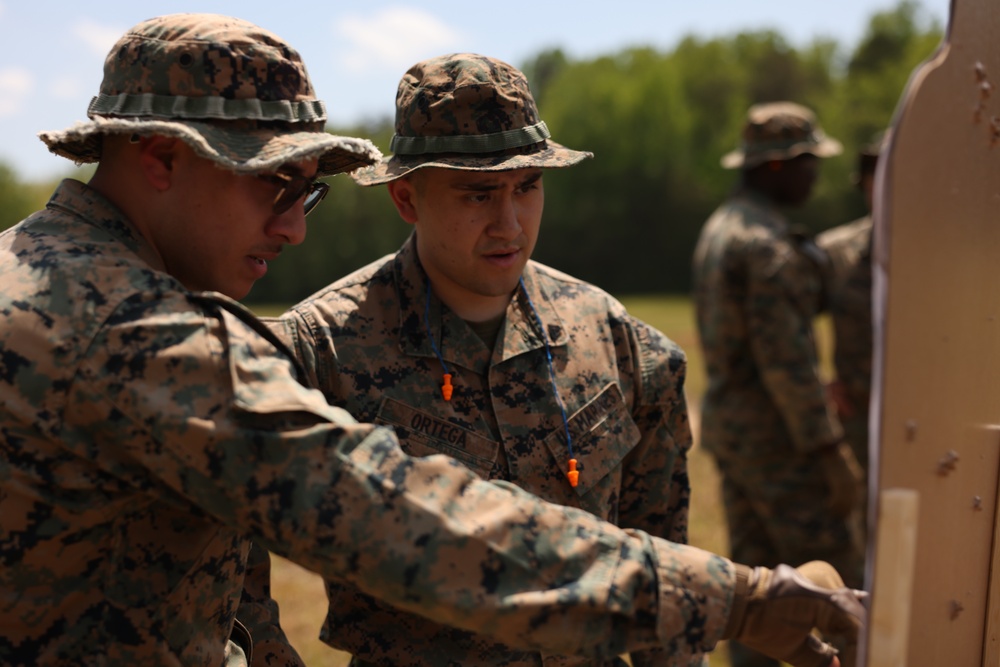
(889, 624)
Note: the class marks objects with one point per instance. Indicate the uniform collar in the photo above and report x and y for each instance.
(91, 207)
(771, 214)
(521, 333)
(457, 343)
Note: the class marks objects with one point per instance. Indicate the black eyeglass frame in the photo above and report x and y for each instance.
(293, 187)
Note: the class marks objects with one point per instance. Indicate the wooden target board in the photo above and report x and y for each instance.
(936, 408)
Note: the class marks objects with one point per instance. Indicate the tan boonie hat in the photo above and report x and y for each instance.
(467, 111)
(236, 93)
(779, 131)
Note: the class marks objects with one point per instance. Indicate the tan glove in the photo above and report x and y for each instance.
(776, 611)
(843, 476)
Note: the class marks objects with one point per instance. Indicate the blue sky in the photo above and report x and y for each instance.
(356, 50)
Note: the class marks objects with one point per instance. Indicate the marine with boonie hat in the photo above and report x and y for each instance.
(152, 430)
(610, 399)
(791, 484)
(849, 290)
(105, 480)
(522, 373)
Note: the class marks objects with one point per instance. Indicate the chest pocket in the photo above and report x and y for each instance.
(603, 434)
(423, 434)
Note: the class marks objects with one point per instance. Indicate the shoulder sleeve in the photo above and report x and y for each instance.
(781, 300)
(655, 486)
(656, 489)
(306, 343)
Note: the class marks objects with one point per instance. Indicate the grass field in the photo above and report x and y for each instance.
(300, 593)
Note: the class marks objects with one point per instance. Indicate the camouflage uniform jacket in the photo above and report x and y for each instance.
(149, 431)
(849, 248)
(364, 342)
(757, 289)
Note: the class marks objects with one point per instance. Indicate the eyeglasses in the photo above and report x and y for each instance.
(292, 188)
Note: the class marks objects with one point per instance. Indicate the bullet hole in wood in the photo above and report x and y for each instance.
(947, 463)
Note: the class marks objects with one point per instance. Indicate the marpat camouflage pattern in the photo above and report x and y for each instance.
(364, 342)
(150, 432)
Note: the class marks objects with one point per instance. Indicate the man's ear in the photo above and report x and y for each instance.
(403, 193)
(156, 159)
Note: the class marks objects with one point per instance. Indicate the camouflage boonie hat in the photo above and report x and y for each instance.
(466, 111)
(779, 131)
(236, 93)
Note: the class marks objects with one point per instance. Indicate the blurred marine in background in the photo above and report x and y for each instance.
(849, 299)
(790, 482)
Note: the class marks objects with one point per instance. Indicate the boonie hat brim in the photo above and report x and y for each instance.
(552, 155)
(740, 158)
(241, 150)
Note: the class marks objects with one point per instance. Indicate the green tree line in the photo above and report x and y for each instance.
(657, 122)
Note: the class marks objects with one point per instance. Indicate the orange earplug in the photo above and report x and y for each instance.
(446, 388)
(573, 474)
